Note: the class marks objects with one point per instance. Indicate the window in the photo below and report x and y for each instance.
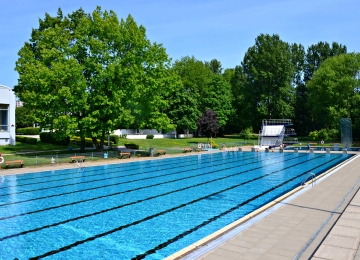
(4, 117)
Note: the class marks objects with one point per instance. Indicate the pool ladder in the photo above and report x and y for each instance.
(311, 176)
(80, 163)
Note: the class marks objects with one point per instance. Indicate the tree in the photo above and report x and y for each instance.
(215, 66)
(335, 91)
(218, 97)
(183, 110)
(268, 70)
(185, 105)
(208, 123)
(23, 117)
(315, 55)
(90, 74)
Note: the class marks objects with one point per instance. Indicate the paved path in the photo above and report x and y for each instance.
(319, 224)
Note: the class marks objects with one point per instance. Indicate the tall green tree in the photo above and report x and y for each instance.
(218, 97)
(23, 117)
(93, 73)
(215, 66)
(315, 55)
(335, 91)
(269, 72)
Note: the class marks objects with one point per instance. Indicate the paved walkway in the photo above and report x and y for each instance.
(321, 223)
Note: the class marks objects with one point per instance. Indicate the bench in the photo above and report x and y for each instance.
(187, 150)
(79, 158)
(123, 155)
(7, 163)
(159, 152)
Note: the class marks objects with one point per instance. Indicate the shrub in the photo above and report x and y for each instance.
(132, 146)
(50, 137)
(123, 136)
(334, 134)
(77, 141)
(247, 133)
(150, 137)
(214, 145)
(323, 134)
(314, 135)
(28, 130)
(114, 138)
(24, 139)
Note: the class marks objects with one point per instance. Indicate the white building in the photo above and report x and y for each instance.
(7, 116)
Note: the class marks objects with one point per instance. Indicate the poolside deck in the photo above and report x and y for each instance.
(329, 210)
(321, 223)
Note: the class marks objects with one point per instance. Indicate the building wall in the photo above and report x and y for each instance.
(7, 129)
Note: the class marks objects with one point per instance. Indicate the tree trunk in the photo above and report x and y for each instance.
(82, 144)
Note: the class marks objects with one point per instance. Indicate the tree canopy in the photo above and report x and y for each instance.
(335, 91)
(268, 72)
(93, 73)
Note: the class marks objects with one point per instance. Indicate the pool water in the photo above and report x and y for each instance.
(148, 209)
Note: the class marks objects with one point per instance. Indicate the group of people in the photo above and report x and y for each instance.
(203, 146)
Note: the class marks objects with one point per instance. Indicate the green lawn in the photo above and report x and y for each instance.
(41, 153)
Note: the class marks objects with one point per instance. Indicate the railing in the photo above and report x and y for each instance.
(311, 176)
(276, 122)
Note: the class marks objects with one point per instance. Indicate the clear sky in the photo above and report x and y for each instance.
(205, 29)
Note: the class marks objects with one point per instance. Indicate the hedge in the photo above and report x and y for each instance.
(114, 138)
(132, 146)
(24, 139)
(28, 130)
(49, 137)
(150, 137)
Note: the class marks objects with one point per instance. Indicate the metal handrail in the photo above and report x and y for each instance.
(313, 179)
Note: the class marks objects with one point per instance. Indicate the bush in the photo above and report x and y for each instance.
(150, 137)
(214, 145)
(114, 138)
(50, 137)
(123, 136)
(323, 134)
(132, 146)
(334, 134)
(77, 141)
(28, 131)
(314, 135)
(23, 139)
(247, 133)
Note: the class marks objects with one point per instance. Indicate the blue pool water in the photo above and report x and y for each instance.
(147, 209)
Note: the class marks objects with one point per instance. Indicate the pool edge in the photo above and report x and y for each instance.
(221, 232)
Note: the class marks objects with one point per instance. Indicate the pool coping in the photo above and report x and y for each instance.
(204, 242)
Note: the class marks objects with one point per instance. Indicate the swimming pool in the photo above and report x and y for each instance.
(147, 209)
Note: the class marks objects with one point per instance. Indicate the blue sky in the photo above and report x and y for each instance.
(204, 29)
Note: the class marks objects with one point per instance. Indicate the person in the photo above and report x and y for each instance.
(322, 141)
(223, 146)
(209, 146)
(199, 145)
(308, 146)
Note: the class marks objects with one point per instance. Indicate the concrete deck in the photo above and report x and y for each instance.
(321, 223)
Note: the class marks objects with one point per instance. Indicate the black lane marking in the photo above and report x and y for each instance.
(119, 183)
(115, 177)
(149, 198)
(176, 238)
(95, 180)
(71, 178)
(80, 177)
(120, 192)
(167, 211)
(119, 165)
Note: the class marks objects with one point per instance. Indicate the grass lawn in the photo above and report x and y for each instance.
(41, 153)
